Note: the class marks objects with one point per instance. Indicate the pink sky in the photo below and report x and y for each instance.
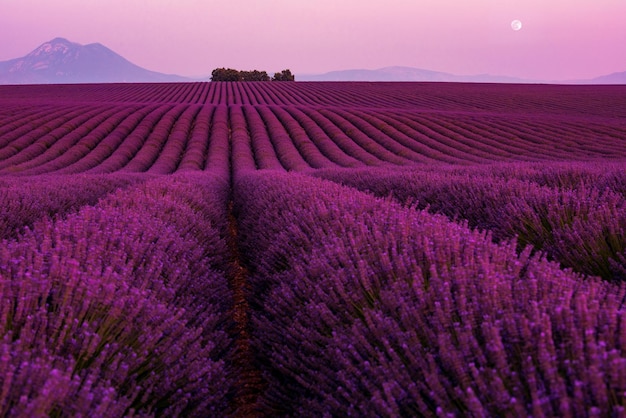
(559, 40)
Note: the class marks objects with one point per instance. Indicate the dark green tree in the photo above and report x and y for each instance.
(225, 74)
(229, 74)
(284, 75)
(254, 75)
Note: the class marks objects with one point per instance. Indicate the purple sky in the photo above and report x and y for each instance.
(559, 40)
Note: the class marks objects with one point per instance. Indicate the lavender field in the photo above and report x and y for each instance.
(312, 249)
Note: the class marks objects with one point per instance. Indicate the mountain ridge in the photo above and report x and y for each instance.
(614, 78)
(60, 61)
(402, 73)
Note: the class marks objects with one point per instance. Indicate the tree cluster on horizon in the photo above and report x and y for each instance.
(230, 74)
(284, 75)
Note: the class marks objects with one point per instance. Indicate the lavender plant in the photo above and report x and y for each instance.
(363, 307)
(24, 201)
(125, 303)
(582, 228)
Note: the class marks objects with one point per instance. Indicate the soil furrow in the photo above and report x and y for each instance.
(250, 382)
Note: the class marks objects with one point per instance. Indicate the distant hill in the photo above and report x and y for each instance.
(407, 74)
(60, 61)
(418, 74)
(615, 78)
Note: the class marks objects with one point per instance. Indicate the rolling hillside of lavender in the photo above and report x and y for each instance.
(263, 249)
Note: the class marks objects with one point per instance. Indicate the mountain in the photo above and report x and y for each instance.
(61, 61)
(417, 74)
(615, 78)
(407, 74)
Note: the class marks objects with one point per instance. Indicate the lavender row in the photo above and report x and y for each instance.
(563, 175)
(91, 142)
(25, 201)
(369, 144)
(513, 100)
(401, 146)
(95, 147)
(122, 308)
(285, 149)
(33, 121)
(297, 138)
(599, 174)
(126, 150)
(219, 147)
(101, 150)
(309, 147)
(583, 228)
(18, 116)
(242, 155)
(154, 143)
(29, 139)
(174, 148)
(323, 140)
(343, 141)
(195, 154)
(265, 155)
(362, 307)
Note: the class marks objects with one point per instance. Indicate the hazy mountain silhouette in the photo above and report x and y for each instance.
(408, 74)
(60, 61)
(417, 74)
(615, 78)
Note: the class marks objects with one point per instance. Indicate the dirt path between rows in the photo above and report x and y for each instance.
(250, 383)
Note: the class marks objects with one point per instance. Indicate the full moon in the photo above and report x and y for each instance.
(516, 25)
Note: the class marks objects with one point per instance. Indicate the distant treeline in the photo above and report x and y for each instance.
(229, 74)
